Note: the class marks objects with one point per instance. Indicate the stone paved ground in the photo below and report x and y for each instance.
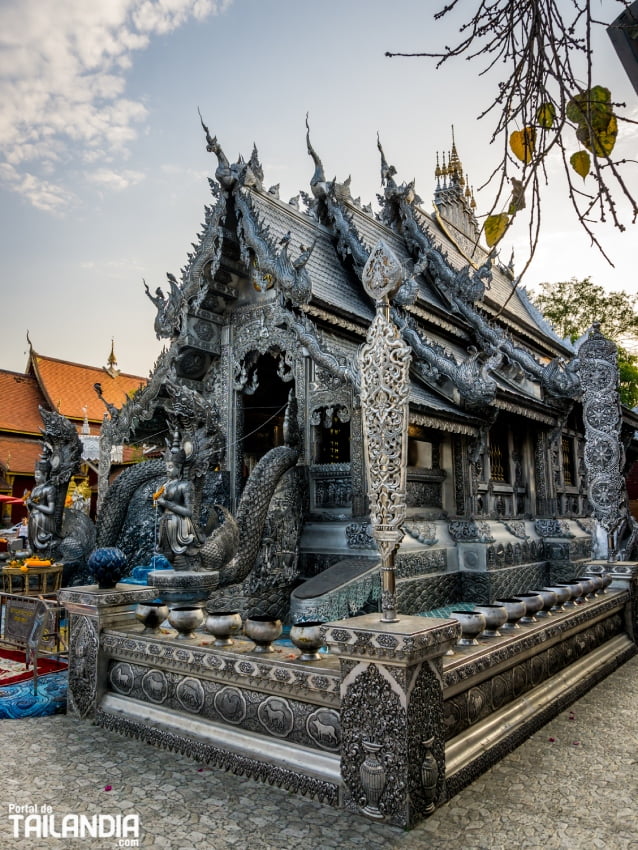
(573, 785)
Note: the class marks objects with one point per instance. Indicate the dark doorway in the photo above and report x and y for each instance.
(264, 409)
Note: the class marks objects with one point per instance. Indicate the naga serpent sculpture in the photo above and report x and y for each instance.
(233, 547)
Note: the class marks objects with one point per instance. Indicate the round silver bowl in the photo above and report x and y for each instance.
(578, 590)
(589, 586)
(571, 589)
(549, 598)
(495, 617)
(185, 619)
(308, 639)
(603, 575)
(223, 624)
(151, 615)
(472, 624)
(533, 604)
(599, 583)
(516, 609)
(563, 595)
(262, 630)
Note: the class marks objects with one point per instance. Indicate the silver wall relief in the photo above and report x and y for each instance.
(83, 653)
(324, 728)
(231, 704)
(276, 717)
(155, 686)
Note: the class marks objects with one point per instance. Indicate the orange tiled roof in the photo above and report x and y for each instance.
(68, 387)
(19, 400)
(19, 455)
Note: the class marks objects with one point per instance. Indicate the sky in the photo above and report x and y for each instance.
(104, 171)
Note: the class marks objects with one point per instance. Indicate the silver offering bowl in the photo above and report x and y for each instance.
(563, 595)
(152, 615)
(185, 619)
(578, 590)
(572, 589)
(533, 603)
(262, 630)
(472, 624)
(307, 638)
(599, 582)
(549, 598)
(589, 586)
(495, 617)
(516, 609)
(601, 574)
(223, 624)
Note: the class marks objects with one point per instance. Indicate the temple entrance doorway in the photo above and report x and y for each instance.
(264, 404)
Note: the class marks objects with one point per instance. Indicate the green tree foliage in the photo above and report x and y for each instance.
(573, 306)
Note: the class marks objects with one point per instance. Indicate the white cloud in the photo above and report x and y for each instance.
(62, 83)
(107, 178)
(40, 193)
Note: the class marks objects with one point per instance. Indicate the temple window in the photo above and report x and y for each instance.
(499, 455)
(569, 472)
(332, 435)
(423, 450)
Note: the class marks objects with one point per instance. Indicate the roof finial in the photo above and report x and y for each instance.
(112, 369)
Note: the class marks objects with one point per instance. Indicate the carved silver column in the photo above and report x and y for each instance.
(604, 451)
(384, 363)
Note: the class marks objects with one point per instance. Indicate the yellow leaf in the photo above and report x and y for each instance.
(599, 142)
(581, 163)
(592, 106)
(545, 115)
(522, 143)
(495, 227)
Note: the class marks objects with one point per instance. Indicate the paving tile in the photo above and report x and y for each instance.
(545, 795)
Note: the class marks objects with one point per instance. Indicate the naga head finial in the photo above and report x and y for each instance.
(318, 178)
(387, 171)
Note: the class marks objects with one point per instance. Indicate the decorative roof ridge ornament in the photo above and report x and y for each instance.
(471, 377)
(240, 173)
(463, 288)
(330, 198)
(208, 250)
(257, 246)
(307, 335)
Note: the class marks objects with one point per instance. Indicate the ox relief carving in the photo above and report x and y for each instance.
(276, 717)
